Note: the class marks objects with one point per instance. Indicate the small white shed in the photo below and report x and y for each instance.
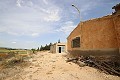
(58, 48)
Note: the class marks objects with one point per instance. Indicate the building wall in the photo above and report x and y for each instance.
(117, 27)
(99, 33)
(116, 20)
(54, 48)
(97, 36)
(61, 45)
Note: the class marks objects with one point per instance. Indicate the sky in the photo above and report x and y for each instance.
(32, 23)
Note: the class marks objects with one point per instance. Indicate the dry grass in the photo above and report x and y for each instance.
(13, 58)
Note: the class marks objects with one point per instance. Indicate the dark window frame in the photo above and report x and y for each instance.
(75, 43)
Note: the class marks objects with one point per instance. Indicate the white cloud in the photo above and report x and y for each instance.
(29, 19)
(52, 16)
(14, 42)
(67, 27)
(22, 3)
(18, 3)
(35, 34)
(45, 1)
(89, 5)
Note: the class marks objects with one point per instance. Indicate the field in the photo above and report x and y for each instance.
(14, 51)
(10, 56)
(4, 52)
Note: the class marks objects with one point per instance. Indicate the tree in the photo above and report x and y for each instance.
(59, 41)
(33, 50)
(46, 47)
(38, 49)
(50, 44)
(41, 48)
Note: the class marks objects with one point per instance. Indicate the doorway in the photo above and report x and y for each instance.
(59, 49)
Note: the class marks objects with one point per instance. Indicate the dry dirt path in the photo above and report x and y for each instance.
(47, 66)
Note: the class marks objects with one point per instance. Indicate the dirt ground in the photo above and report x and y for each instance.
(48, 66)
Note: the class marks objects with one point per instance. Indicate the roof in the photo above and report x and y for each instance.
(58, 43)
(117, 5)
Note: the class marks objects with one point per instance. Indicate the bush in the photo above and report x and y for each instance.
(13, 61)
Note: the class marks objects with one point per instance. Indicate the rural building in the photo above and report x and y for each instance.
(58, 48)
(97, 36)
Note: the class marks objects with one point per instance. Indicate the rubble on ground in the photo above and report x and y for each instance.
(107, 66)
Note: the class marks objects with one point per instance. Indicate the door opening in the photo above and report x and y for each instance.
(59, 49)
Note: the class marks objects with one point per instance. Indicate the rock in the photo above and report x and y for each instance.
(74, 61)
(81, 64)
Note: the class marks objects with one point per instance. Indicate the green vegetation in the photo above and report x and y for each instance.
(10, 50)
(33, 50)
(10, 57)
(14, 51)
(46, 47)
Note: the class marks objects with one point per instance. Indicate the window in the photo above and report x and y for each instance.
(63, 48)
(76, 42)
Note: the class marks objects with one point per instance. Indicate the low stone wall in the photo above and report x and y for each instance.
(103, 54)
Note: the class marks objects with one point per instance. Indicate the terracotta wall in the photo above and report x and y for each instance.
(76, 32)
(100, 33)
(116, 20)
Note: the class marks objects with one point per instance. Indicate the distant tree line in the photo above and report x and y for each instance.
(12, 48)
(46, 47)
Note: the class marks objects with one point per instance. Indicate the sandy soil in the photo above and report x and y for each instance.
(48, 66)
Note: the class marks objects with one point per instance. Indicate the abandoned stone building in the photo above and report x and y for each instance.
(58, 48)
(97, 36)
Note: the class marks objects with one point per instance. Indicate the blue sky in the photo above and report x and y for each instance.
(32, 23)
